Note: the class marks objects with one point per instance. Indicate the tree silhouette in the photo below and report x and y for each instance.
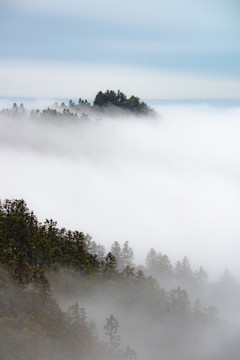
(111, 332)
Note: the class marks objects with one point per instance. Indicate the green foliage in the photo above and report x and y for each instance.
(110, 264)
(119, 99)
(38, 260)
(82, 109)
(24, 242)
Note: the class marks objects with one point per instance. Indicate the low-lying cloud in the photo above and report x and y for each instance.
(171, 183)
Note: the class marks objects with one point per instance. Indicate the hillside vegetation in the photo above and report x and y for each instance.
(52, 279)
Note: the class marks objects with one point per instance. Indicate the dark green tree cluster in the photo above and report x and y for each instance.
(31, 322)
(112, 98)
(25, 242)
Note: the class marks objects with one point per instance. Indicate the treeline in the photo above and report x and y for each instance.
(43, 265)
(32, 325)
(107, 103)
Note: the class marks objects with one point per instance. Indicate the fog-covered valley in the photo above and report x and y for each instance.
(170, 182)
(159, 196)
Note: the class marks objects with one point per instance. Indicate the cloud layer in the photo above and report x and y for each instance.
(171, 183)
(216, 15)
(21, 78)
(172, 38)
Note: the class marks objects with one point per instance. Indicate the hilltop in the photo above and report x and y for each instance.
(108, 103)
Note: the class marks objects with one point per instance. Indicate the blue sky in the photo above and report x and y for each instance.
(180, 49)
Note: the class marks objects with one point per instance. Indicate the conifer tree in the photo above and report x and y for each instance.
(111, 332)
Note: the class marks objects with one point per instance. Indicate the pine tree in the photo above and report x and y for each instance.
(116, 252)
(127, 256)
(111, 332)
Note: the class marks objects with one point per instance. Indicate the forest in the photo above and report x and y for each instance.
(106, 103)
(63, 296)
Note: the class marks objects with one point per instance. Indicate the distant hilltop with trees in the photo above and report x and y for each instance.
(105, 103)
(111, 98)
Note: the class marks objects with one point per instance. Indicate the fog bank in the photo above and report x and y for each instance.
(171, 183)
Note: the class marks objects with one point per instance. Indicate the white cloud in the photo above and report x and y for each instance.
(171, 184)
(21, 78)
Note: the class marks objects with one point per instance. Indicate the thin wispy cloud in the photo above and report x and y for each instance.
(215, 15)
(195, 41)
(64, 80)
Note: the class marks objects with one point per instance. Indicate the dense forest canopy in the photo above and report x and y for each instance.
(119, 99)
(52, 278)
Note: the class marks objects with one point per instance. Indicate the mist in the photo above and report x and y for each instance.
(170, 182)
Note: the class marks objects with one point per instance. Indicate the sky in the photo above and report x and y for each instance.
(155, 49)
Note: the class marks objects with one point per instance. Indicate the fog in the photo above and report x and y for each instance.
(169, 182)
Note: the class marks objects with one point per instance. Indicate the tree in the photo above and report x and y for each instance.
(179, 300)
(110, 97)
(127, 256)
(158, 265)
(116, 252)
(41, 284)
(15, 107)
(93, 248)
(151, 261)
(183, 271)
(164, 265)
(100, 99)
(21, 270)
(18, 232)
(121, 98)
(201, 276)
(130, 354)
(110, 263)
(111, 332)
(77, 316)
